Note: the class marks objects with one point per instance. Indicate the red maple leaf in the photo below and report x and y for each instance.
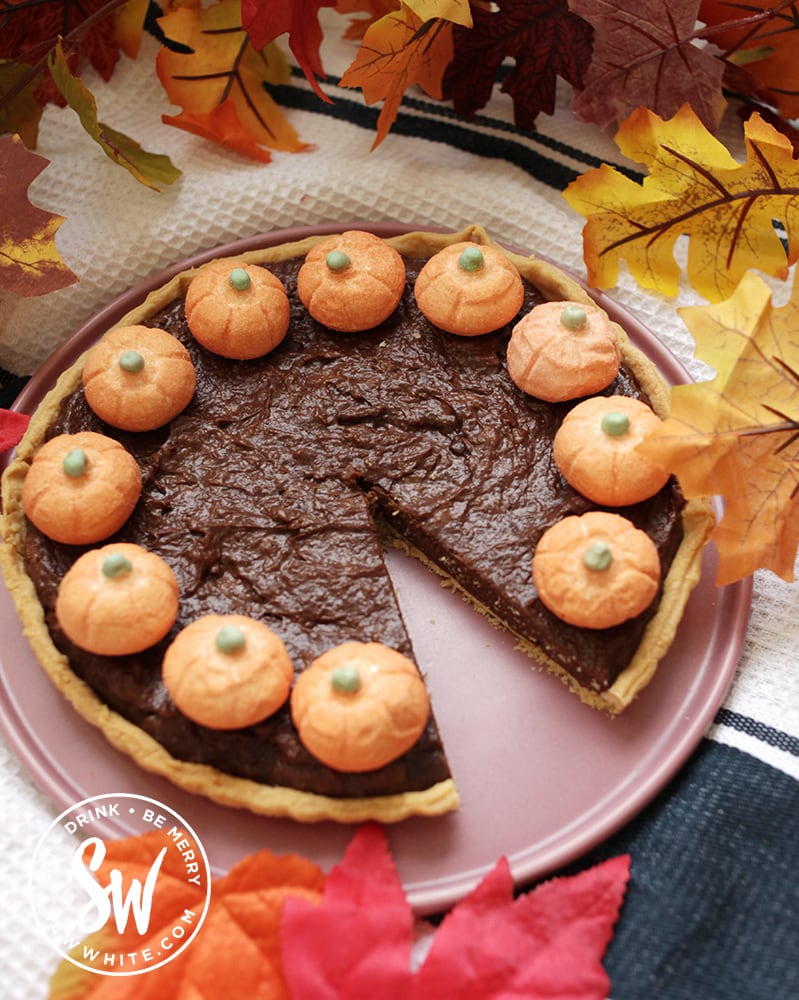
(12, 426)
(358, 942)
(543, 38)
(30, 28)
(264, 20)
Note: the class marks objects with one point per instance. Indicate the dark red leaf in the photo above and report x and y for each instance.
(544, 39)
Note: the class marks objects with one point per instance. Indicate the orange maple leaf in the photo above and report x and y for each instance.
(398, 51)
(737, 435)
(221, 67)
(30, 264)
(236, 954)
(695, 188)
(221, 125)
(768, 31)
(373, 11)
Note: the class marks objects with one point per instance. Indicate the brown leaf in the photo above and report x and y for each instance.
(645, 56)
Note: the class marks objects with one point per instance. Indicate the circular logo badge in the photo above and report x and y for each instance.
(119, 907)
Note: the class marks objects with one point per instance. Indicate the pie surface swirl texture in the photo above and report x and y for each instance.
(272, 495)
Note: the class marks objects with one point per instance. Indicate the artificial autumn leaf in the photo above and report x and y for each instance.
(221, 125)
(397, 52)
(546, 943)
(130, 19)
(644, 56)
(151, 169)
(457, 11)
(12, 427)
(265, 20)
(543, 944)
(694, 188)
(30, 29)
(737, 435)
(235, 955)
(219, 66)
(20, 109)
(373, 9)
(30, 264)
(769, 31)
(544, 38)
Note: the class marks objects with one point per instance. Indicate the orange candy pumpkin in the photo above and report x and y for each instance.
(237, 310)
(596, 450)
(359, 706)
(563, 350)
(117, 600)
(227, 671)
(469, 289)
(138, 378)
(351, 281)
(596, 570)
(81, 488)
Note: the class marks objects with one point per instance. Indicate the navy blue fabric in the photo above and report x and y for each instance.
(10, 387)
(712, 908)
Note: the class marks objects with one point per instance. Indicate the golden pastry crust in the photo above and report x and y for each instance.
(595, 450)
(237, 310)
(596, 570)
(304, 806)
(469, 289)
(359, 706)
(564, 350)
(352, 281)
(81, 488)
(138, 378)
(117, 600)
(227, 671)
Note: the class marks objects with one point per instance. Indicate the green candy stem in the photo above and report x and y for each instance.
(116, 564)
(597, 556)
(345, 679)
(337, 261)
(75, 463)
(471, 259)
(615, 424)
(573, 317)
(230, 639)
(131, 361)
(239, 279)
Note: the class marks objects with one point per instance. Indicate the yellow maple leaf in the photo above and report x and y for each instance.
(222, 66)
(737, 435)
(398, 51)
(695, 188)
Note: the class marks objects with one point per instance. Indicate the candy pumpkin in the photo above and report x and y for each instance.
(351, 281)
(596, 450)
(596, 570)
(81, 488)
(227, 671)
(138, 378)
(237, 310)
(117, 600)
(469, 289)
(359, 706)
(563, 350)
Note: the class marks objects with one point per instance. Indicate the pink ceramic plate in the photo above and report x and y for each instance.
(542, 778)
